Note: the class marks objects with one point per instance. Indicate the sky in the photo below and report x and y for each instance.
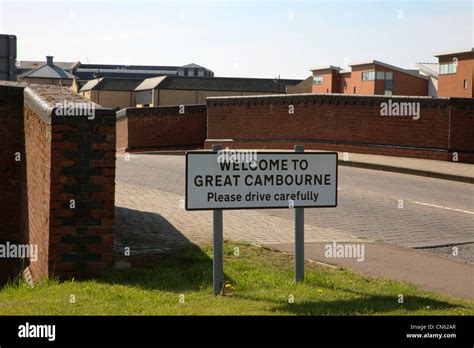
(248, 38)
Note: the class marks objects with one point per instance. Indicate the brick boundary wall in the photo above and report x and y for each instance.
(11, 145)
(64, 158)
(344, 123)
(163, 127)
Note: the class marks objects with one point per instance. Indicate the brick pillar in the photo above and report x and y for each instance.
(71, 190)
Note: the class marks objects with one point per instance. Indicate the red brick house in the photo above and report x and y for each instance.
(369, 78)
(456, 70)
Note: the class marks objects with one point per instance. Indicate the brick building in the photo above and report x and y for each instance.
(370, 78)
(456, 70)
(87, 72)
(183, 90)
(116, 93)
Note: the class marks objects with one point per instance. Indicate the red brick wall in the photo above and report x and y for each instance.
(11, 142)
(462, 128)
(83, 169)
(343, 123)
(62, 158)
(122, 134)
(36, 188)
(161, 128)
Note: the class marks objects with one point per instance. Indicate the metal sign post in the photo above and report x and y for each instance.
(246, 179)
(218, 260)
(299, 236)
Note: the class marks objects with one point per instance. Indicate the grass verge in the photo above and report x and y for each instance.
(260, 283)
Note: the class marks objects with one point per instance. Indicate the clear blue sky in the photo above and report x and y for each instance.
(239, 37)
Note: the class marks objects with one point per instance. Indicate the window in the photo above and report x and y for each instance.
(380, 75)
(465, 84)
(354, 90)
(384, 75)
(449, 68)
(191, 72)
(201, 72)
(318, 80)
(388, 86)
(368, 75)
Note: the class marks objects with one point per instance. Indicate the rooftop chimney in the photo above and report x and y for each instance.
(49, 60)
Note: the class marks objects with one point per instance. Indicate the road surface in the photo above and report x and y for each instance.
(401, 209)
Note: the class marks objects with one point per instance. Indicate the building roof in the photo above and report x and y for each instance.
(393, 67)
(326, 67)
(450, 53)
(218, 84)
(192, 66)
(89, 73)
(430, 69)
(48, 71)
(111, 84)
(26, 65)
(80, 83)
(93, 71)
(150, 83)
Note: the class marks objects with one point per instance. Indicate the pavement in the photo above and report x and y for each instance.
(455, 171)
(435, 215)
(431, 272)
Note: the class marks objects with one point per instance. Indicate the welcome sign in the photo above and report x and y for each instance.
(261, 180)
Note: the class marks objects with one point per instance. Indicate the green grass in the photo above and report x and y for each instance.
(263, 282)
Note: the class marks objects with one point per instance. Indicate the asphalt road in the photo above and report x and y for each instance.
(407, 210)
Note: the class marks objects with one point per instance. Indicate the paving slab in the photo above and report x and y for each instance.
(153, 220)
(407, 210)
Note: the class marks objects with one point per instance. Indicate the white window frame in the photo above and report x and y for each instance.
(365, 73)
(318, 80)
(448, 68)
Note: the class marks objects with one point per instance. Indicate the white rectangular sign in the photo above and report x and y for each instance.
(252, 180)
